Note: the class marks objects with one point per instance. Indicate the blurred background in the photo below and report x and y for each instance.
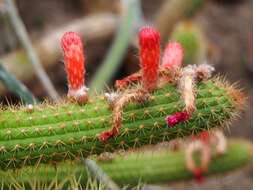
(219, 32)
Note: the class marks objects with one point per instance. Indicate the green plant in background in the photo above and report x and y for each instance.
(152, 167)
(193, 41)
(16, 87)
(193, 7)
(172, 12)
(25, 41)
(118, 48)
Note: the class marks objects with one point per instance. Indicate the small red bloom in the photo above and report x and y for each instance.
(203, 136)
(74, 64)
(198, 174)
(176, 118)
(173, 55)
(149, 45)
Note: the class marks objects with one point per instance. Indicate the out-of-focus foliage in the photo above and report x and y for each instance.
(16, 86)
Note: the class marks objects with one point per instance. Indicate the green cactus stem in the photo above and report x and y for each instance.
(154, 167)
(52, 133)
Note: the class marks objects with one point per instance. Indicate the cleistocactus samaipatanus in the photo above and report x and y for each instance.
(152, 167)
(135, 115)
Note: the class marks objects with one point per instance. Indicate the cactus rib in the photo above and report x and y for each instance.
(52, 133)
(136, 167)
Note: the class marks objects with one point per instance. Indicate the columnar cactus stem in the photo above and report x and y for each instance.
(138, 96)
(153, 167)
(52, 133)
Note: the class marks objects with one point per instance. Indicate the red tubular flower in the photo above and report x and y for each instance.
(149, 44)
(74, 64)
(173, 55)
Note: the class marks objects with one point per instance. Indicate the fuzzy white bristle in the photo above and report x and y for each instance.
(78, 93)
(221, 142)
(204, 71)
(190, 74)
(186, 86)
(111, 97)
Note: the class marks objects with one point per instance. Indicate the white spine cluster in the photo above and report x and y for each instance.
(80, 95)
(111, 97)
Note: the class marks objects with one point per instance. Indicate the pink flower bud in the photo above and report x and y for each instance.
(173, 55)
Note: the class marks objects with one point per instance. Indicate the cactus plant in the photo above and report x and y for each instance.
(156, 166)
(49, 133)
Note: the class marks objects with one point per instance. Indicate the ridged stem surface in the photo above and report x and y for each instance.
(52, 133)
(147, 167)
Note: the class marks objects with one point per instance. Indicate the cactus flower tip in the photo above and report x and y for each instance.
(173, 55)
(149, 44)
(74, 65)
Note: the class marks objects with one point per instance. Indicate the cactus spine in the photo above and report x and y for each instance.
(52, 133)
(154, 167)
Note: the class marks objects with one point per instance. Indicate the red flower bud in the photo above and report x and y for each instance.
(74, 59)
(173, 55)
(176, 118)
(74, 64)
(149, 45)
